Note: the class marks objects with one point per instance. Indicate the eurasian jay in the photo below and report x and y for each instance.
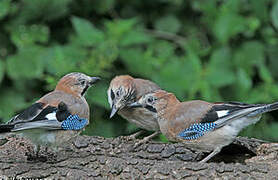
(58, 116)
(199, 124)
(124, 90)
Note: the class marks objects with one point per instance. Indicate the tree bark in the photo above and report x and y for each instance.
(115, 158)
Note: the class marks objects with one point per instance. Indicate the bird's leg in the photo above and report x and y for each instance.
(146, 139)
(49, 155)
(33, 155)
(38, 151)
(134, 135)
(214, 152)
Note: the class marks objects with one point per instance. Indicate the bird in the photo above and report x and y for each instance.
(56, 117)
(124, 90)
(199, 124)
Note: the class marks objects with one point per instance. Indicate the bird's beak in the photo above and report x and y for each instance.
(113, 111)
(135, 105)
(94, 80)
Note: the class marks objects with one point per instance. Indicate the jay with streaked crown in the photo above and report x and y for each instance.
(124, 90)
(199, 124)
(58, 116)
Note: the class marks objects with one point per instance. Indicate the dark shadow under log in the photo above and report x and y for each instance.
(108, 158)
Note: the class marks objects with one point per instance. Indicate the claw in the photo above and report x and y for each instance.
(146, 139)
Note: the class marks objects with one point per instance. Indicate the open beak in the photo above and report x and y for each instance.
(135, 105)
(113, 111)
(94, 80)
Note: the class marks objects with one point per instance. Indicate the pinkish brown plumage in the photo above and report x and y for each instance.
(199, 124)
(124, 90)
(70, 90)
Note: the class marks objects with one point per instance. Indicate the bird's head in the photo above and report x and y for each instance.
(76, 83)
(121, 93)
(156, 101)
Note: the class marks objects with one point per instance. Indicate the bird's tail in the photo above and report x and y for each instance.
(250, 112)
(6, 128)
(264, 109)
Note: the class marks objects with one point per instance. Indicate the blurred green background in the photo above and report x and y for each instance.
(215, 50)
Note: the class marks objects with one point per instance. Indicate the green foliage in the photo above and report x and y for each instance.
(86, 32)
(202, 49)
(274, 14)
(5, 6)
(169, 23)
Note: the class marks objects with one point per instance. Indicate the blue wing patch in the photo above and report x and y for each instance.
(74, 122)
(196, 130)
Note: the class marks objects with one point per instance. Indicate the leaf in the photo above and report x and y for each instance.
(5, 8)
(2, 70)
(178, 76)
(135, 37)
(208, 92)
(260, 9)
(117, 29)
(219, 69)
(163, 49)
(29, 35)
(244, 81)
(88, 34)
(249, 54)
(100, 59)
(264, 72)
(43, 10)
(274, 14)
(60, 60)
(168, 23)
(98, 95)
(103, 6)
(135, 58)
(11, 102)
(272, 55)
(25, 64)
(228, 25)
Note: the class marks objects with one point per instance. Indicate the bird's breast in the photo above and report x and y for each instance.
(141, 117)
(53, 138)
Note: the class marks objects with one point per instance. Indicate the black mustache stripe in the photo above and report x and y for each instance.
(84, 90)
(150, 108)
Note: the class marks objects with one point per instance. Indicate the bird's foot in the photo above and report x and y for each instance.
(34, 157)
(146, 139)
(212, 154)
(40, 156)
(132, 137)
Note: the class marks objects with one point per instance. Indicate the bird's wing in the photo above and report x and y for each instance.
(49, 124)
(37, 118)
(50, 118)
(227, 112)
(28, 114)
(75, 105)
(220, 114)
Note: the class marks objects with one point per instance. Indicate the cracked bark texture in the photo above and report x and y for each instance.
(115, 158)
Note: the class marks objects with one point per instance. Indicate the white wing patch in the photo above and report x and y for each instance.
(51, 115)
(222, 113)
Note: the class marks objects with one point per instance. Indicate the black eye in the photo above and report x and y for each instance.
(112, 95)
(150, 99)
(82, 83)
(118, 93)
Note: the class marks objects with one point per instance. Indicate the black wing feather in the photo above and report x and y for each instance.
(231, 107)
(28, 113)
(42, 115)
(6, 128)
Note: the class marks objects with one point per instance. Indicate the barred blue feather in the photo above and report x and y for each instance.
(196, 130)
(74, 122)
